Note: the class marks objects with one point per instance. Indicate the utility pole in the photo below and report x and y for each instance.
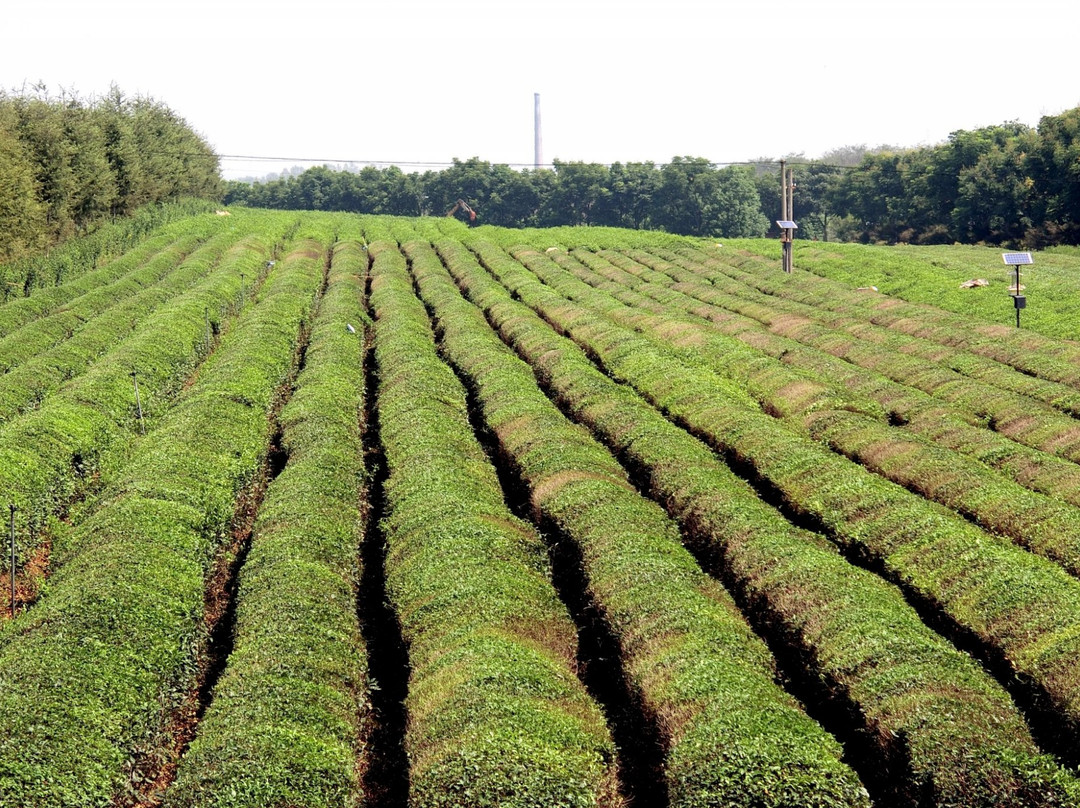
(787, 225)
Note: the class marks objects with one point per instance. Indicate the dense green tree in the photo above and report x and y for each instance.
(469, 180)
(992, 198)
(1053, 168)
(581, 195)
(175, 160)
(697, 199)
(66, 163)
(873, 195)
(514, 199)
(734, 212)
(686, 184)
(95, 190)
(41, 131)
(634, 187)
(22, 215)
(121, 151)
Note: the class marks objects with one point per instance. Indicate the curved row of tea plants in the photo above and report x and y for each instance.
(17, 312)
(52, 329)
(942, 348)
(37, 274)
(42, 370)
(934, 420)
(286, 723)
(1023, 611)
(49, 454)
(941, 731)
(847, 425)
(91, 675)
(932, 275)
(1042, 356)
(496, 712)
(729, 733)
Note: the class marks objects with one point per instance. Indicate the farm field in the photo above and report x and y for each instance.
(324, 510)
(933, 275)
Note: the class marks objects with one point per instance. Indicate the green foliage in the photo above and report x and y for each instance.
(84, 430)
(496, 714)
(91, 674)
(901, 431)
(691, 659)
(1003, 184)
(284, 725)
(79, 264)
(68, 164)
(690, 196)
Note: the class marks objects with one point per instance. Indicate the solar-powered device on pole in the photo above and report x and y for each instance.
(787, 226)
(1017, 260)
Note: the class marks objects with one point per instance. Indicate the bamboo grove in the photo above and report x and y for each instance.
(69, 165)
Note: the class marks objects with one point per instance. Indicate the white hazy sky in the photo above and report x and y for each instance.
(425, 81)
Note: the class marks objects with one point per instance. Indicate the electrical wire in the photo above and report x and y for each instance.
(553, 165)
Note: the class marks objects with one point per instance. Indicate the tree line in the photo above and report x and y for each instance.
(68, 164)
(1008, 184)
(688, 195)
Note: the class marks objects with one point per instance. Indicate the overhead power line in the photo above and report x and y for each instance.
(445, 164)
(254, 158)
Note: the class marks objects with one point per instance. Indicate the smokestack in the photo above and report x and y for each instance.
(538, 152)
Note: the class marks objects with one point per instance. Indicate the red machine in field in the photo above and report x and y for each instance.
(462, 205)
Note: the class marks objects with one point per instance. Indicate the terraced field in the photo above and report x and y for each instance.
(405, 513)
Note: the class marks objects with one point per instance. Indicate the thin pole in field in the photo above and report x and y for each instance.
(1018, 295)
(787, 226)
(1016, 260)
(12, 531)
(138, 402)
(791, 215)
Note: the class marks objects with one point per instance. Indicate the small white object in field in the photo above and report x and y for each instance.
(350, 329)
(866, 289)
(974, 282)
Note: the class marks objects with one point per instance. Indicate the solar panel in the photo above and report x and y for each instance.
(1016, 259)
(787, 225)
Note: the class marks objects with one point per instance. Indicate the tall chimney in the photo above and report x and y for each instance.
(538, 152)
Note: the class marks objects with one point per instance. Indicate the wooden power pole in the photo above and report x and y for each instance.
(787, 208)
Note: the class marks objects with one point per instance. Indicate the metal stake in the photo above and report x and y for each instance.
(1017, 294)
(12, 507)
(138, 403)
